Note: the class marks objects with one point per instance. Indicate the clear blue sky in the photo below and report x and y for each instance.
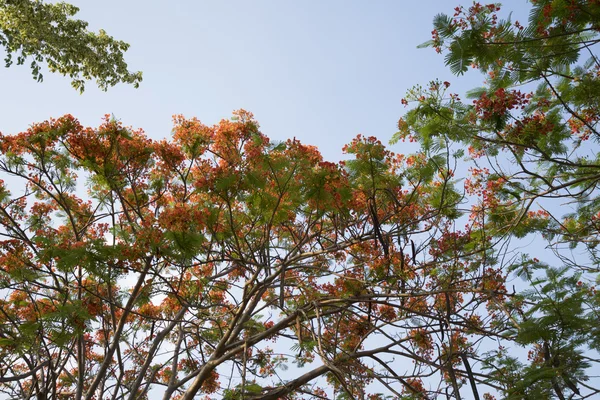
(320, 71)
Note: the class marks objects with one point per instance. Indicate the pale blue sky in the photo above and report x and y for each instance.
(320, 71)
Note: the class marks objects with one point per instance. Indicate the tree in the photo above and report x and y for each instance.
(188, 258)
(534, 172)
(208, 263)
(31, 29)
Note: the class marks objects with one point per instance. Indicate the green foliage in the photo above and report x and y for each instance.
(48, 33)
(189, 256)
(533, 176)
(248, 390)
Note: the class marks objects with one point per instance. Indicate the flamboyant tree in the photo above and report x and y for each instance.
(46, 33)
(532, 138)
(222, 265)
(206, 263)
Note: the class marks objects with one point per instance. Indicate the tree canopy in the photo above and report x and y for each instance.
(532, 139)
(38, 32)
(218, 263)
(228, 242)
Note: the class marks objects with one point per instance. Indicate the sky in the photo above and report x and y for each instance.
(319, 71)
